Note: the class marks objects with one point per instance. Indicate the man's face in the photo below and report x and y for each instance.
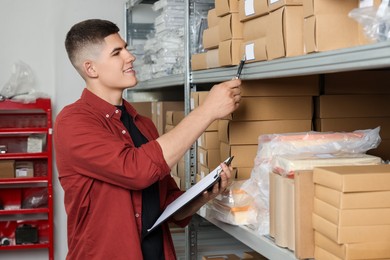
(115, 64)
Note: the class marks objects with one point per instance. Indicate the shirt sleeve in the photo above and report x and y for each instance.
(86, 145)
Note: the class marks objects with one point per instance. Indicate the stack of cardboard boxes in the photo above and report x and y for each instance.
(351, 215)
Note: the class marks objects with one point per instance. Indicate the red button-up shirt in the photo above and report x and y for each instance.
(103, 175)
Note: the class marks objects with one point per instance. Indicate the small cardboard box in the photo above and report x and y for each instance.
(322, 254)
(199, 61)
(210, 158)
(328, 7)
(350, 234)
(211, 38)
(212, 18)
(274, 108)
(224, 7)
(352, 217)
(230, 28)
(353, 200)
(255, 28)
(275, 4)
(345, 106)
(24, 169)
(7, 168)
(290, 86)
(366, 250)
(285, 32)
(251, 9)
(354, 178)
(229, 52)
(174, 117)
(244, 155)
(209, 140)
(212, 58)
(159, 110)
(254, 50)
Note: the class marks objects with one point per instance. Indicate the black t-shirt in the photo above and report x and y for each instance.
(152, 244)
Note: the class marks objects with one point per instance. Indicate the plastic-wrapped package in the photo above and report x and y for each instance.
(305, 143)
(235, 206)
(375, 21)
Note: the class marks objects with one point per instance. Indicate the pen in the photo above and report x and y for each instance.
(240, 66)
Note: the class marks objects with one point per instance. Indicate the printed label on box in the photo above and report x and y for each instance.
(249, 7)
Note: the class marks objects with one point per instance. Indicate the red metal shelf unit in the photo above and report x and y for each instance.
(26, 163)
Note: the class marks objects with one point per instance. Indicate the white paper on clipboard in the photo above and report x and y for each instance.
(193, 192)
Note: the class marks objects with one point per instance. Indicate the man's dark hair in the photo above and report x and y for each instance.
(85, 34)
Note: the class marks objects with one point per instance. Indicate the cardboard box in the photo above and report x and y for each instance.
(244, 155)
(229, 52)
(351, 234)
(274, 108)
(209, 140)
(255, 28)
(242, 173)
(143, 108)
(224, 7)
(230, 28)
(275, 4)
(352, 124)
(304, 196)
(354, 178)
(285, 32)
(24, 169)
(211, 38)
(159, 110)
(329, 32)
(353, 200)
(357, 82)
(366, 250)
(352, 217)
(251, 9)
(212, 59)
(248, 132)
(174, 117)
(199, 61)
(7, 168)
(344, 106)
(254, 50)
(220, 257)
(328, 7)
(202, 170)
(289, 86)
(322, 254)
(212, 18)
(197, 98)
(210, 158)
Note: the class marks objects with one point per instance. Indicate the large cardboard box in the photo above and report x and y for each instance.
(354, 178)
(211, 38)
(230, 28)
(285, 32)
(248, 132)
(304, 233)
(352, 217)
(354, 123)
(224, 7)
(353, 200)
(254, 50)
(274, 108)
(351, 234)
(344, 106)
(255, 28)
(366, 250)
(275, 4)
(212, 18)
(290, 86)
(357, 82)
(250, 9)
(7, 168)
(229, 52)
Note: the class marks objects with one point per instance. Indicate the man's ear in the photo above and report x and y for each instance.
(89, 69)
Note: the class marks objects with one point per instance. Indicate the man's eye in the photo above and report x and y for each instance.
(115, 54)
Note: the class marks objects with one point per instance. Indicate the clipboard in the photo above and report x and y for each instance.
(204, 184)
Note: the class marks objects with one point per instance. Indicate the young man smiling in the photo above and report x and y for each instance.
(113, 166)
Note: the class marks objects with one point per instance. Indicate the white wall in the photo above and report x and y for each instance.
(34, 32)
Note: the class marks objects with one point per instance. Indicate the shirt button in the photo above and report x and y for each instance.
(107, 115)
(123, 131)
(117, 111)
(136, 215)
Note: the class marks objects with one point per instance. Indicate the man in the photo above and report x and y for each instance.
(113, 166)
